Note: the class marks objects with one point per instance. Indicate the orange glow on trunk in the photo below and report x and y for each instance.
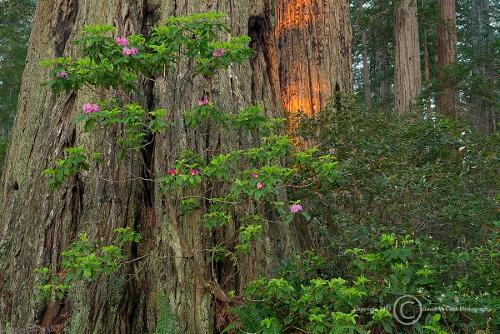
(304, 85)
(304, 97)
(296, 14)
(312, 37)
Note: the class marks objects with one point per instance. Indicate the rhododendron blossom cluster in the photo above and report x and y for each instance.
(202, 101)
(295, 208)
(62, 75)
(121, 41)
(217, 53)
(90, 108)
(130, 51)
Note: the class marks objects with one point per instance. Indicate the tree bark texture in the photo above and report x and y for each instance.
(447, 100)
(314, 39)
(302, 54)
(407, 54)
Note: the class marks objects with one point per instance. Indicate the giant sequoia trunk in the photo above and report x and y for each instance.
(302, 54)
(407, 68)
(447, 100)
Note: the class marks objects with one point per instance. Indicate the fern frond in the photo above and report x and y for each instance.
(165, 320)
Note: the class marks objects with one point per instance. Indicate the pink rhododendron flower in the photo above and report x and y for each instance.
(194, 172)
(295, 208)
(121, 41)
(203, 101)
(90, 108)
(129, 51)
(218, 53)
(254, 175)
(260, 185)
(62, 75)
(172, 171)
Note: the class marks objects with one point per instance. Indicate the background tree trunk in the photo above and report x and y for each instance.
(447, 101)
(427, 64)
(483, 111)
(407, 54)
(366, 70)
(308, 49)
(383, 85)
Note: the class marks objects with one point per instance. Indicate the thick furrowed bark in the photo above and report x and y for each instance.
(314, 39)
(37, 224)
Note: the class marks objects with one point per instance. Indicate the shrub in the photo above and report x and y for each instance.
(412, 174)
(365, 290)
(410, 215)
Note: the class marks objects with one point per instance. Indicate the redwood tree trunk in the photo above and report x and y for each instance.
(314, 42)
(484, 112)
(447, 101)
(309, 49)
(383, 85)
(407, 54)
(366, 69)
(427, 65)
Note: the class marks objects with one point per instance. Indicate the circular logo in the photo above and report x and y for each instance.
(407, 310)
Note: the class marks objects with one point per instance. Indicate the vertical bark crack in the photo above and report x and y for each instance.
(67, 11)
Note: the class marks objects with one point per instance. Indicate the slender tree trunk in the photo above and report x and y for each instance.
(447, 101)
(382, 71)
(383, 85)
(407, 54)
(427, 102)
(484, 113)
(309, 50)
(366, 70)
(427, 65)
